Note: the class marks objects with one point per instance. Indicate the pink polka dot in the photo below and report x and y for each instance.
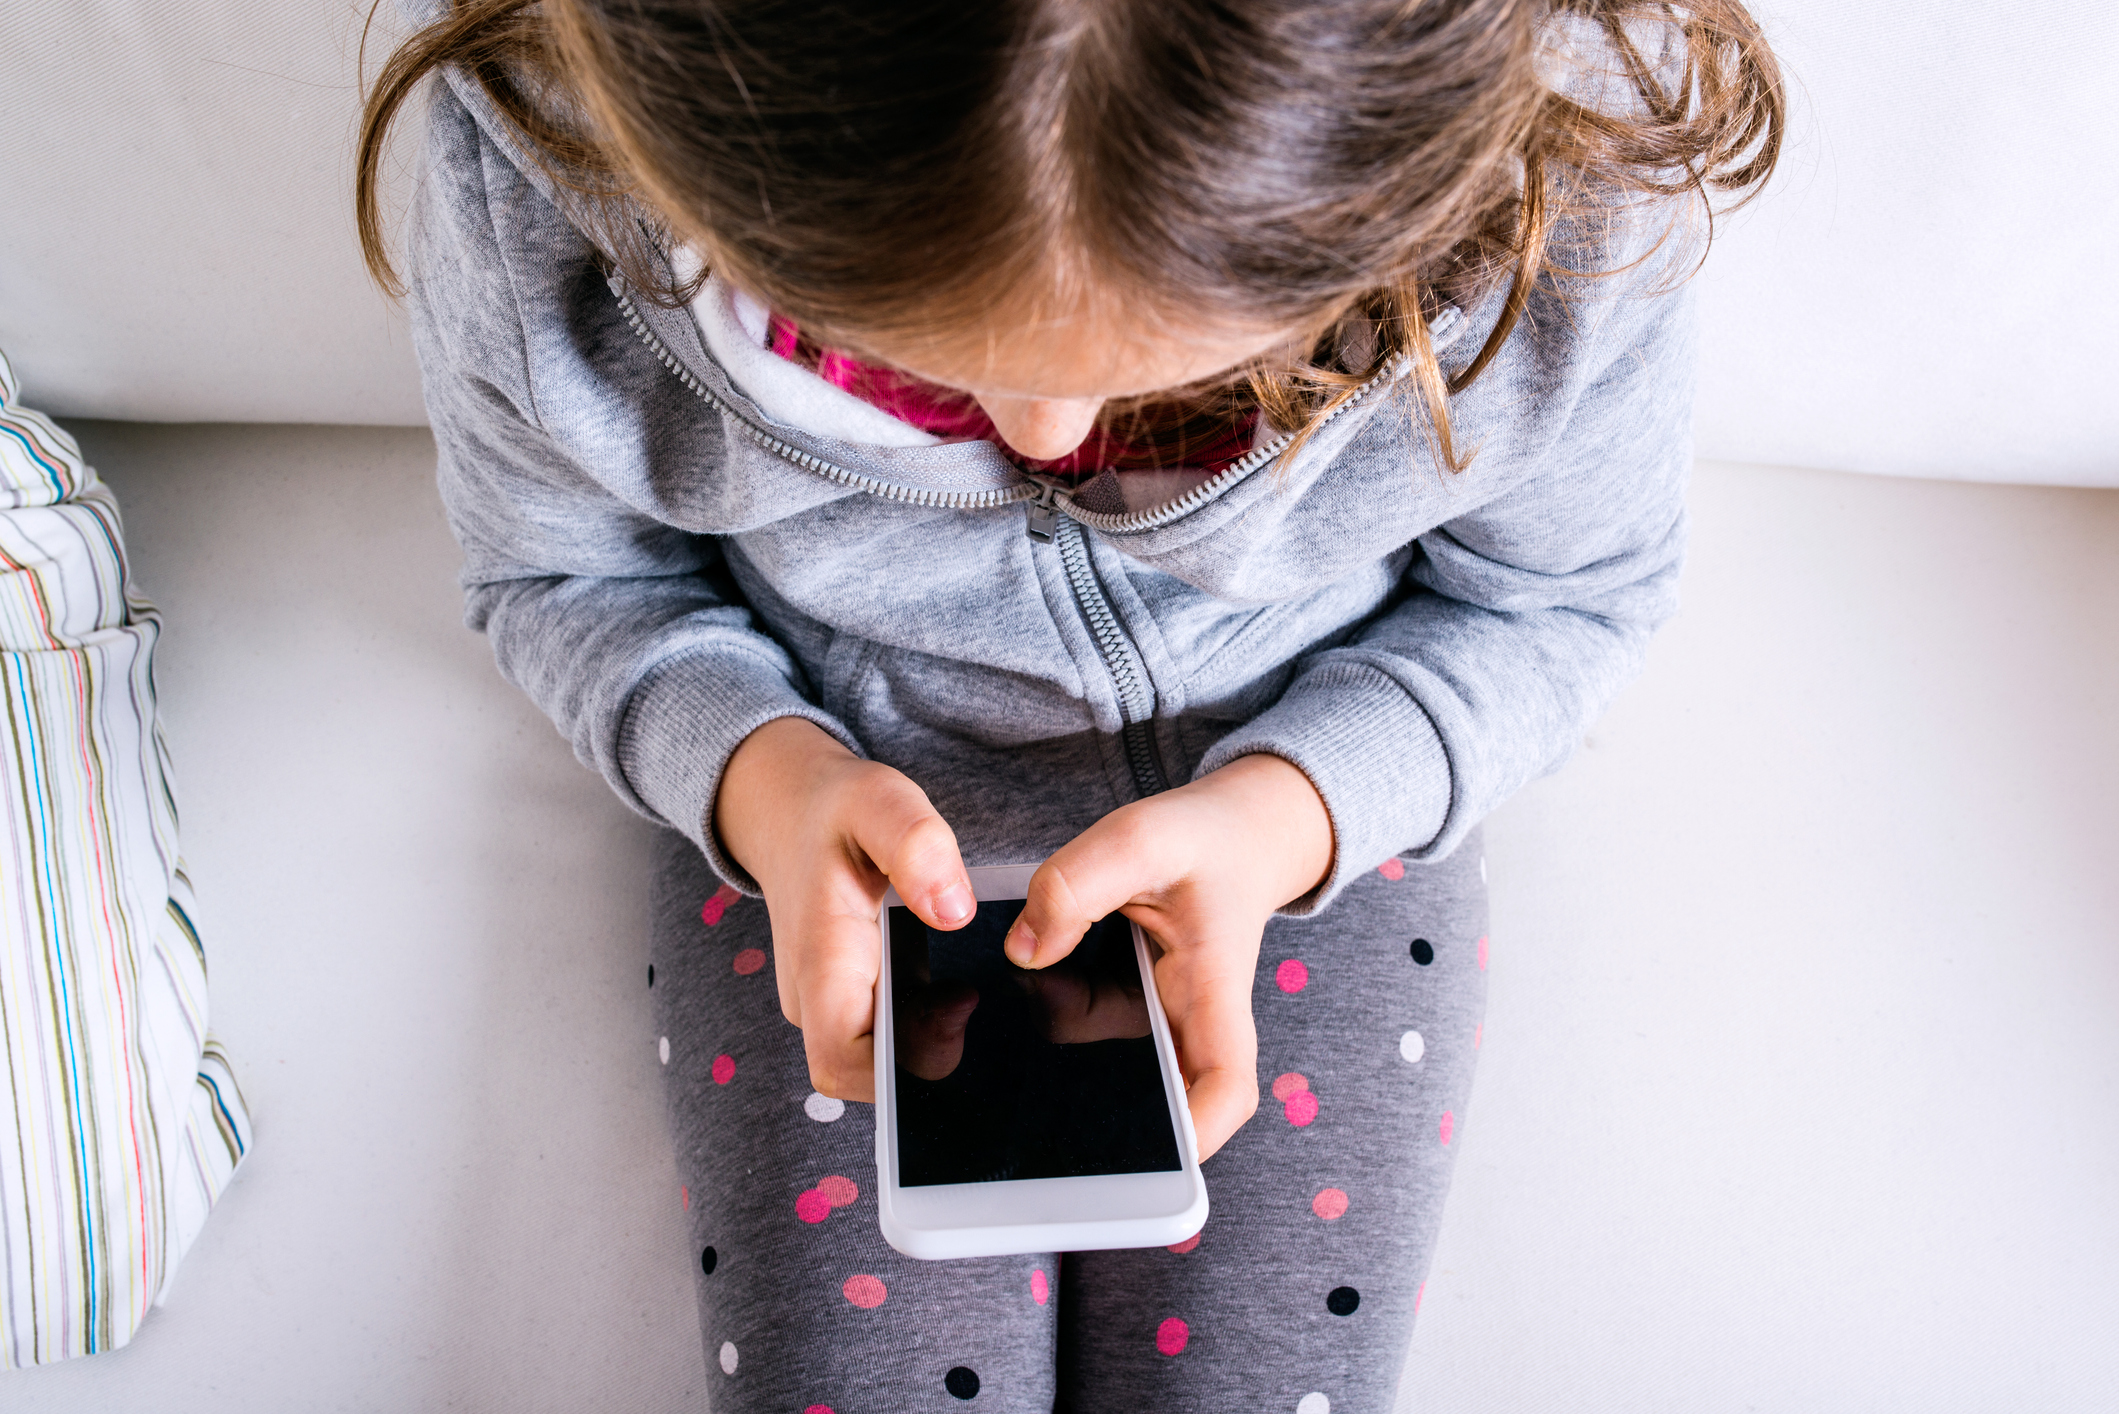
(1301, 1108)
(1478, 1034)
(1329, 1205)
(1185, 1246)
(1392, 869)
(1171, 1336)
(724, 1069)
(1449, 1123)
(838, 1191)
(1419, 1296)
(1039, 1290)
(1292, 975)
(818, 1409)
(866, 1292)
(749, 961)
(812, 1206)
(687, 1196)
(710, 912)
(1292, 1083)
(1482, 954)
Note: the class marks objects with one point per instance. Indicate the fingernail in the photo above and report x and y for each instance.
(953, 904)
(1021, 945)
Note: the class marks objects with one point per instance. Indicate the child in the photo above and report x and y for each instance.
(1220, 450)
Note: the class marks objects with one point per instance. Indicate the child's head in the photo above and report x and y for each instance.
(1077, 199)
(914, 168)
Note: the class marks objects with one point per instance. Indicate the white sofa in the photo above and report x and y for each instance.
(1800, 1070)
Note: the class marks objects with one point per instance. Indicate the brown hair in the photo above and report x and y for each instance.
(1346, 166)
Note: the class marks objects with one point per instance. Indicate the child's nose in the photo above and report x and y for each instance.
(1042, 429)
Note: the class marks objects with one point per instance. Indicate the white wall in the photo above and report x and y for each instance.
(1922, 293)
(1927, 288)
(177, 239)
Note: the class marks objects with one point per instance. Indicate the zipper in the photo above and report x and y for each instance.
(1050, 501)
(1440, 330)
(1132, 522)
(830, 471)
(1136, 695)
(1044, 514)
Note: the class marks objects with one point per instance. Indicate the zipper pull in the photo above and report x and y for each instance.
(1044, 515)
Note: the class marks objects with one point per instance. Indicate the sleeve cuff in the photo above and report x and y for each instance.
(1371, 752)
(683, 722)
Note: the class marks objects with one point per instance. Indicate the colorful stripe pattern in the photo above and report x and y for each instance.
(121, 1122)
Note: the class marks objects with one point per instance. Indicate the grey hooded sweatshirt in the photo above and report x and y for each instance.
(664, 566)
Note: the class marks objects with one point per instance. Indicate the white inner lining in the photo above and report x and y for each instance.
(733, 325)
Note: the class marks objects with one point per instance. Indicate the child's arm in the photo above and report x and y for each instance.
(628, 632)
(1519, 621)
(1521, 618)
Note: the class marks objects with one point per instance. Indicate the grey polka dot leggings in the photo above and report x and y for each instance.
(1299, 1294)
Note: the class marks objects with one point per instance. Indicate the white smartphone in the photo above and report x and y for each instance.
(1021, 1111)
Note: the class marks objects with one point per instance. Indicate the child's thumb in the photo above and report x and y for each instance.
(1094, 874)
(904, 836)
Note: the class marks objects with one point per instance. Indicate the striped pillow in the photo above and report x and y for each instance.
(121, 1123)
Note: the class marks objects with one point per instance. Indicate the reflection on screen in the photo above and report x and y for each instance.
(1007, 1074)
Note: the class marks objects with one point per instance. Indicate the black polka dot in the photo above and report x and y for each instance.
(708, 1260)
(651, 974)
(963, 1382)
(1343, 1301)
(1423, 951)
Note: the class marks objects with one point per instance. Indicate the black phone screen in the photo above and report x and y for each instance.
(1009, 1074)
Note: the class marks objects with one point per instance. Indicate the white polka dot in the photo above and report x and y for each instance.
(823, 1108)
(1482, 868)
(1412, 1047)
(728, 1357)
(663, 1047)
(1314, 1403)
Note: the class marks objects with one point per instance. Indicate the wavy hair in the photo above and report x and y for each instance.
(1344, 167)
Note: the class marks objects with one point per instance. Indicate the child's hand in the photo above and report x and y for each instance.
(825, 833)
(1200, 868)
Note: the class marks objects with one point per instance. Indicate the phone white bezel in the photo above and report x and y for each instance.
(946, 1220)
